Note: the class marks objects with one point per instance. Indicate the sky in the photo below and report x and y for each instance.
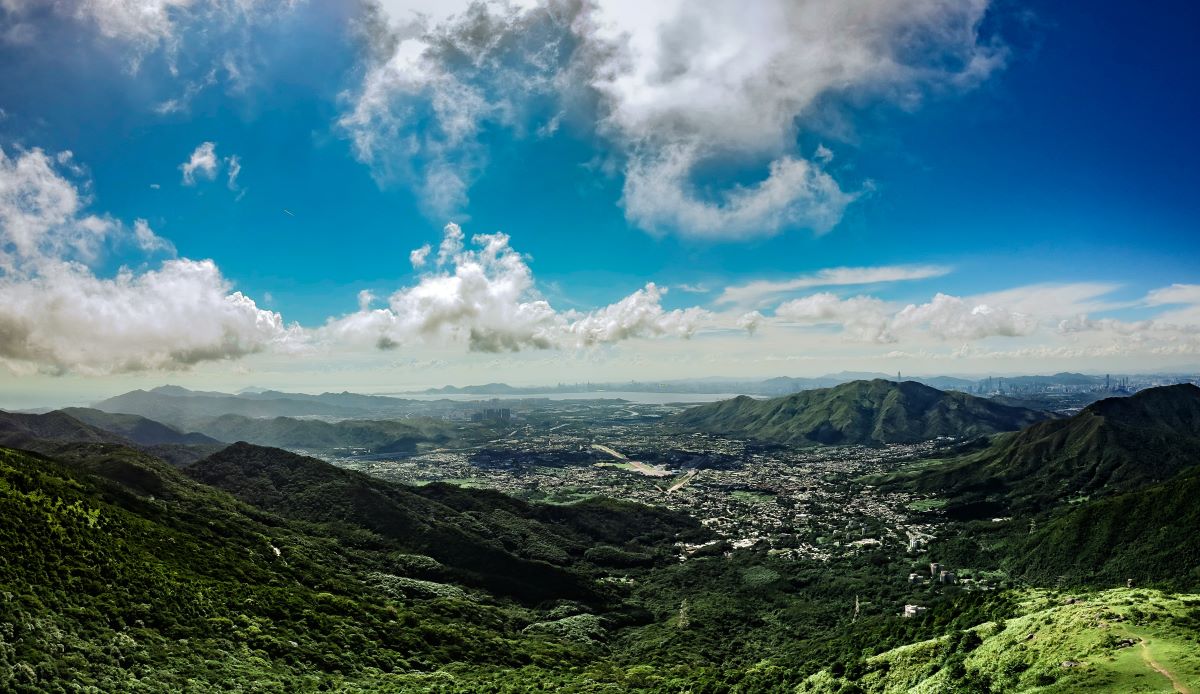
(384, 195)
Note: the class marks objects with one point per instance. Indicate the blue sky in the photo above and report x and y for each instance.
(1033, 152)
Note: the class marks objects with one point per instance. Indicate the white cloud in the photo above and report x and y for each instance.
(953, 318)
(638, 315)
(203, 162)
(430, 90)
(1174, 294)
(40, 212)
(760, 292)
(796, 193)
(144, 26)
(417, 257)
(234, 167)
(183, 102)
(862, 318)
(485, 297)
(750, 321)
(675, 88)
(148, 241)
(57, 315)
(67, 319)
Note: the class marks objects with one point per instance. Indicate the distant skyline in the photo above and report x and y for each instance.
(384, 196)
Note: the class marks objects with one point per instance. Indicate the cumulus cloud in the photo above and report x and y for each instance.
(674, 87)
(760, 292)
(40, 212)
(750, 321)
(67, 319)
(861, 317)
(484, 296)
(952, 318)
(203, 162)
(57, 315)
(943, 318)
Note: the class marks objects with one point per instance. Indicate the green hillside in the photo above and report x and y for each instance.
(1114, 445)
(490, 540)
(1113, 641)
(860, 412)
(118, 573)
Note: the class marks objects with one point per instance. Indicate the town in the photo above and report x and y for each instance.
(808, 503)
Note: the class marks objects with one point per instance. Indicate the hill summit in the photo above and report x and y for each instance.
(871, 413)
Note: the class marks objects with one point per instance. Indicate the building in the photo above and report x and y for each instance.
(914, 611)
(934, 569)
(492, 414)
(947, 578)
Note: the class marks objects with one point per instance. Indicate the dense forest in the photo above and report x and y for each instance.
(259, 568)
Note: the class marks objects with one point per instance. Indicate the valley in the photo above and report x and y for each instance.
(792, 503)
(603, 546)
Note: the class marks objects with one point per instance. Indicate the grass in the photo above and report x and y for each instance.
(928, 504)
(752, 497)
(1031, 652)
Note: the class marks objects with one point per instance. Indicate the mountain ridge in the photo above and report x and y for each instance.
(872, 412)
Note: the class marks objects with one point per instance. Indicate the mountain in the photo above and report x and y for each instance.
(22, 430)
(1111, 446)
(181, 408)
(137, 428)
(860, 412)
(465, 530)
(133, 576)
(1151, 535)
(288, 432)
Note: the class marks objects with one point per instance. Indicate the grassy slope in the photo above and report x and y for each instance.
(1027, 653)
(859, 412)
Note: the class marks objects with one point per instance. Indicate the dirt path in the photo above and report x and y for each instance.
(1154, 664)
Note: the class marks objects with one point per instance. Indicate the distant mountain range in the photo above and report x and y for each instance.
(860, 412)
(783, 385)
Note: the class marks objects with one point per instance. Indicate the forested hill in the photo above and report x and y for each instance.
(860, 412)
(120, 573)
(1115, 445)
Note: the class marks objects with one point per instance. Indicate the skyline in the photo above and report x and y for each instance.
(313, 197)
